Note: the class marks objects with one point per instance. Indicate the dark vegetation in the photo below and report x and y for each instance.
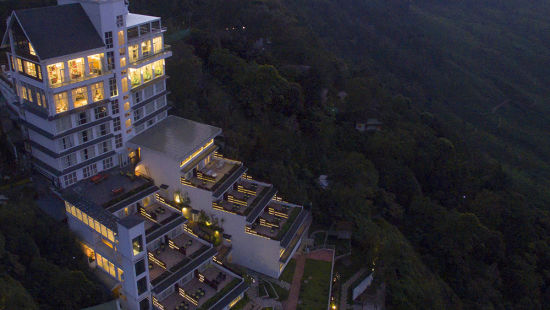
(450, 198)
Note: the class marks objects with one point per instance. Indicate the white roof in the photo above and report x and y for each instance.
(138, 19)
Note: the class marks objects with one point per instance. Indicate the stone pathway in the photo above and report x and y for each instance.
(345, 288)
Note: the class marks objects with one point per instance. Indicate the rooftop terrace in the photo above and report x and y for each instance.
(278, 221)
(203, 291)
(217, 176)
(109, 188)
(246, 198)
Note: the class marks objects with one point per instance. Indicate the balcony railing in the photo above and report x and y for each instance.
(144, 58)
(80, 79)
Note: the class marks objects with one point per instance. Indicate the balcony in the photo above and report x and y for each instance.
(245, 198)
(278, 221)
(217, 176)
(167, 50)
(204, 290)
(172, 255)
(84, 77)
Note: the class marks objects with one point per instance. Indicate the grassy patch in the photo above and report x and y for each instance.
(315, 285)
(288, 273)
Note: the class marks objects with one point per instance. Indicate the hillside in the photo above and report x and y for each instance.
(450, 197)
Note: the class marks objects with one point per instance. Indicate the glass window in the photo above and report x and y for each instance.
(140, 267)
(31, 50)
(114, 107)
(133, 52)
(127, 106)
(76, 68)
(98, 92)
(116, 124)
(108, 163)
(121, 37)
(122, 62)
(147, 72)
(95, 64)
(80, 97)
(109, 39)
(23, 93)
(142, 286)
(157, 44)
(144, 29)
(145, 48)
(119, 23)
(118, 141)
(100, 112)
(61, 102)
(135, 77)
(82, 118)
(56, 73)
(124, 85)
(132, 33)
(30, 69)
(137, 245)
(19, 65)
(113, 89)
(159, 67)
(69, 178)
(110, 234)
(128, 123)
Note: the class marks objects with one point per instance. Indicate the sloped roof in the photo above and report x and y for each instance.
(59, 30)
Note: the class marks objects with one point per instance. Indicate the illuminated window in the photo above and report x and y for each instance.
(147, 73)
(61, 102)
(19, 65)
(31, 50)
(23, 93)
(128, 123)
(30, 69)
(80, 97)
(135, 77)
(124, 85)
(120, 275)
(110, 234)
(159, 67)
(98, 93)
(56, 73)
(145, 48)
(126, 106)
(76, 68)
(133, 52)
(157, 44)
(121, 37)
(95, 64)
(122, 62)
(137, 245)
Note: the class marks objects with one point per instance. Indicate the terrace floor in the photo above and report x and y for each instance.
(101, 191)
(192, 287)
(158, 215)
(215, 170)
(272, 232)
(246, 197)
(172, 257)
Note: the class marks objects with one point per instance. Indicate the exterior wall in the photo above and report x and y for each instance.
(128, 260)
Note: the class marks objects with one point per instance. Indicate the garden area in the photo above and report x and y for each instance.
(288, 273)
(314, 290)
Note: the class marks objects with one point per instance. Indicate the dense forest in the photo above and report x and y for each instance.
(450, 198)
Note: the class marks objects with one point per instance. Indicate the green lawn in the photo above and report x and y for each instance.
(314, 291)
(288, 273)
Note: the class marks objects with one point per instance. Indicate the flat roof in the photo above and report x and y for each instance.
(102, 192)
(176, 137)
(138, 19)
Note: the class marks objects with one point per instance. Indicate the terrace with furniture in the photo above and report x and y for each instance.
(278, 220)
(172, 254)
(245, 198)
(203, 291)
(218, 174)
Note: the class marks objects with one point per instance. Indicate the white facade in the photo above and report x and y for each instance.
(106, 93)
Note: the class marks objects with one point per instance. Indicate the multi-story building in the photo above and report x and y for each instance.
(160, 213)
(89, 76)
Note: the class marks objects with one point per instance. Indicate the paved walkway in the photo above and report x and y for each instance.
(345, 288)
(293, 296)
